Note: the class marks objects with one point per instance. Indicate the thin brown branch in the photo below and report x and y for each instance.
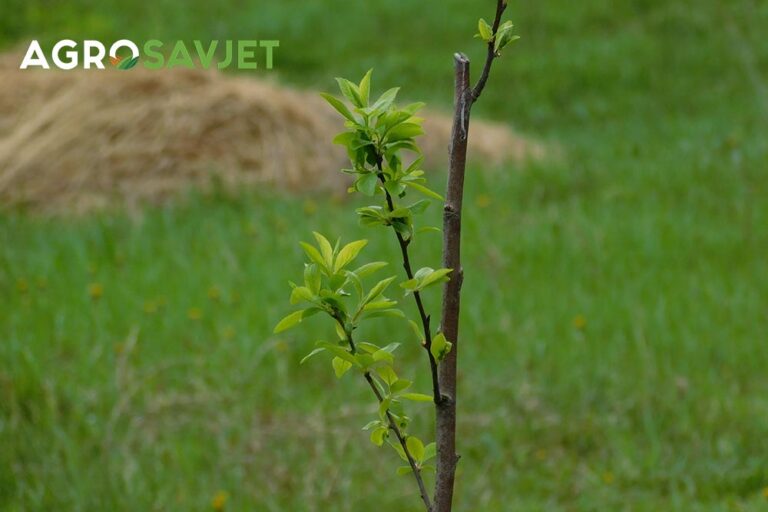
(425, 318)
(477, 90)
(415, 469)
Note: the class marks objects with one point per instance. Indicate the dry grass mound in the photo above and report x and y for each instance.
(81, 140)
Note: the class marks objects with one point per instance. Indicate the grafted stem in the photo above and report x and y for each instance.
(445, 422)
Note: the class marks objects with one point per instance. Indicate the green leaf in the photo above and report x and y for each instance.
(338, 350)
(372, 215)
(424, 190)
(289, 321)
(440, 346)
(429, 452)
(419, 206)
(301, 294)
(394, 187)
(311, 311)
(425, 277)
(325, 250)
(409, 145)
(337, 281)
(384, 312)
(378, 435)
(374, 423)
(437, 276)
(387, 374)
(365, 87)
(380, 304)
(391, 347)
(404, 470)
(370, 268)
(415, 447)
(345, 139)
(314, 255)
(401, 419)
(368, 347)
(383, 355)
(485, 31)
(367, 183)
(355, 280)
(385, 100)
(348, 253)
(364, 361)
(423, 272)
(339, 106)
(429, 229)
(416, 330)
(413, 107)
(340, 366)
(416, 397)
(312, 278)
(340, 332)
(504, 36)
(400, 385)
(378, 289)
(413, 169)
(404, 131)
(350, 91)
(390, 119)
(313, 353)
(384, 407)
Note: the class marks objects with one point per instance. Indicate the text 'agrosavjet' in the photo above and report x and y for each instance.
(153, 54)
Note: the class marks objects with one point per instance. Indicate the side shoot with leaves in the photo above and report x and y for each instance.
(380, 139)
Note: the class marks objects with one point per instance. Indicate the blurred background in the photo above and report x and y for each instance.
(616, 292)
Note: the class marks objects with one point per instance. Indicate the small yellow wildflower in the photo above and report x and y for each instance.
(194, 314)
(214, 293)
(540, 454)
(765, 492)
(608, 478)
(219, 501)
(22, 286)
(310, 207)
(150, 307)
(95, 290)
(483, 201)
(227, 333)
(579, 322)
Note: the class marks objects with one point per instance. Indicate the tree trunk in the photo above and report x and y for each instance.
(446, 409)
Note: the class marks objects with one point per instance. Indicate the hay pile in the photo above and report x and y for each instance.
(81, 140)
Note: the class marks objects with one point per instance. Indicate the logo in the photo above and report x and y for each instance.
(125, 54)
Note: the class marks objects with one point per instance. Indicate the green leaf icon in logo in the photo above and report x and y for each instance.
(128, 63)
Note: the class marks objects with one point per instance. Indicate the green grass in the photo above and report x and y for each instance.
(651, 229)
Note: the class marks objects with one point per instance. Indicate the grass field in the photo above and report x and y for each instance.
(615, 320)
